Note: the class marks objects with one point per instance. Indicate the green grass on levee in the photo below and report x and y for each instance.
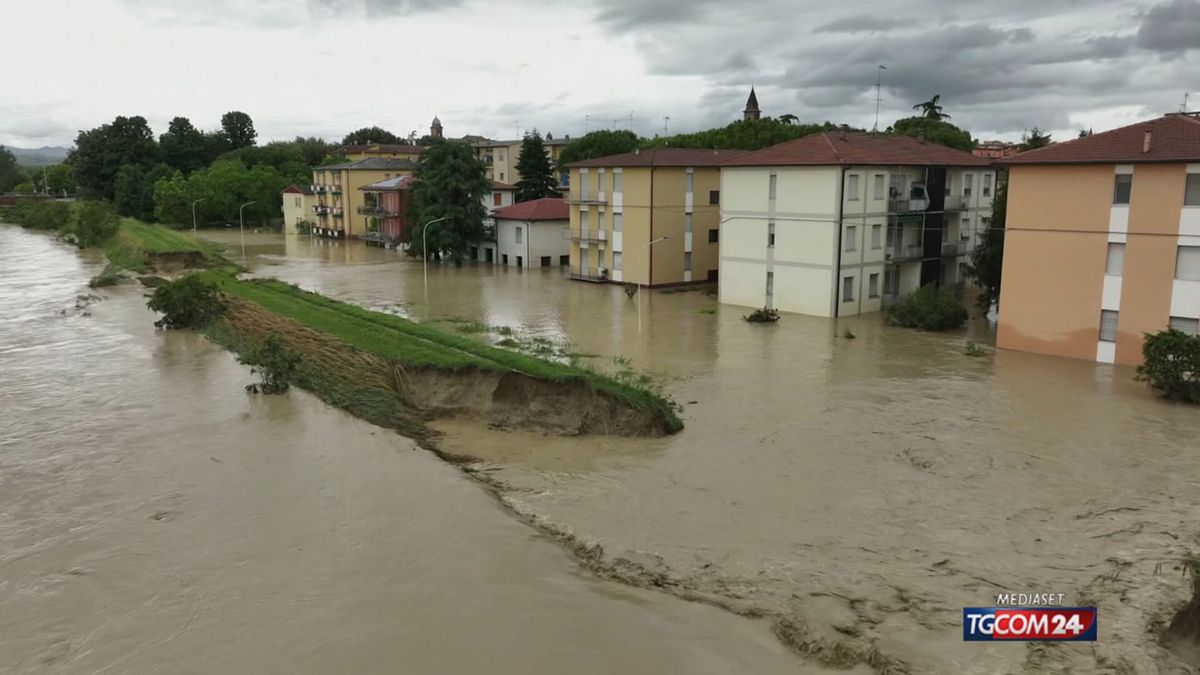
(416, 344)
(136, 243)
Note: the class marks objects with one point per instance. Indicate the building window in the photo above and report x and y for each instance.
(851, 237)
(771, 234)
(772, 184)
(714, 236)
(873, 286)
(1115, 265)
(1187, 263)
(847, 289)
(962, 271)
(1185, 325)
(617, 219)
(876, 237)
(583, 220)
(691, 180)
(770, 284)
(852, 187)
(616, 261)
(687, 223)
(297, 202)
(497, 199)
(714, 197)
(1191, 192)
(968, 184)
(891, 281)
(878, 187)
(687, 261)
(987, 185)
(1108, 325)
(617, 181)
(501, 176)
(518, 233)
(1122, 188)
(964, 229)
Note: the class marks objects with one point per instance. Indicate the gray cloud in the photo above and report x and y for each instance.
(1171, 27)
(863, 23)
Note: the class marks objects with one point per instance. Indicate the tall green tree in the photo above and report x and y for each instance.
(987, 260)
(450, 182)
(537, 173)
(101, 152)
(57, 179)
(935, 131)
(367, 135)
(312, 150)
(745, 135)
(183, 146)
(224, 186)
(932, 109)
(238, 129)
(11, 173)
(598, 144)
(133, 189)
(1034, 139)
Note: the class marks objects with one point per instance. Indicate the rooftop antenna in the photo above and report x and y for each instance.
(1185, 101)
(631, 120)
(878, 84)
(666, 125)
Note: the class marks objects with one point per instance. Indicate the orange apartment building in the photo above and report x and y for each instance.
(1103, 242)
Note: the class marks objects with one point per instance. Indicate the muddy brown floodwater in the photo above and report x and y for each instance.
(156, 519)
(857, 492)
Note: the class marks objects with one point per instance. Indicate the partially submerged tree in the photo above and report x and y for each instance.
(928, 308)
(987, 260)
(1171, 365)
(188, 302)
(95, 222)
(274, 362)
(450, 182)
(537, 174)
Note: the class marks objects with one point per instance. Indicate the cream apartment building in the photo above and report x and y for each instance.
(340, 210)
(621, 203)
(297, 205)
(1102, 243)
(837, 224)
(501, 157)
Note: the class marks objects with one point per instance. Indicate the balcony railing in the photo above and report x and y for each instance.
(336, 211)
(335, 189)
(949, 248)
(316, 189)
(589, 235)
(377, 211)
(489, 233)
(907, 205)
(903, 253)
(577, 198)
(329, 232)
(589, 275)
(321, 210)
(955, 203)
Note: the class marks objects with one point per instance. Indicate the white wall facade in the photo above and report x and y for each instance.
(536, 240)
(296, 208)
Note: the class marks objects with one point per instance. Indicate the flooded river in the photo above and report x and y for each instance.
(857, 493)
(864, 490)
(156, 519)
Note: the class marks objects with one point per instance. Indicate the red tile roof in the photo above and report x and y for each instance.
(546, 208)
(664, 157)
(837, 148)
(1173, 138)
(294, 189)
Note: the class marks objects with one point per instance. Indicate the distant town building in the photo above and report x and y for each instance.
(435, 129)
(530, 234)
(995, 149)
(341, 209)
(501, 157)
(385, 204)
(353, 153)
(751, 112)
(835, 224)
(1103, 241)
(298, 205)
(622, 203)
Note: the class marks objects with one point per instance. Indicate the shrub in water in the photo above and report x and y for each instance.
(1171, 365)
(95, 223)
(186, 303)
(928, 308)
(764, 315)
(274, 363)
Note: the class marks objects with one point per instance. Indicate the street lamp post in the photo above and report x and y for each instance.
(425, 253)
(194, 203)
(242, 225)
(646, 248)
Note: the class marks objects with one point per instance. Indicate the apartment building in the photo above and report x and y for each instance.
(298, 202)
(501, 157)
(648, 217)
(836, 224)
(341, 210)
(1103, 241)
(385, 205)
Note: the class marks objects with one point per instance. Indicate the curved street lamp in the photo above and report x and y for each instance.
(242, 225)
(194, 203)
(425, 252)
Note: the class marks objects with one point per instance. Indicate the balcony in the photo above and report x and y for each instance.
(329, 232)
(907, 205)
(905, 253)
(334, 189)
(321, 210)
(376, 210)
(589, 275)
(489, 233)
(589, 235)
(955, 203)
(949, 248)
(586, 199)
(336, 211)
(316, 189)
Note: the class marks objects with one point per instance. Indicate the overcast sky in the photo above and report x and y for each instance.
(495, 68)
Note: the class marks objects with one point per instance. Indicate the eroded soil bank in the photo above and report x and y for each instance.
(402, 397)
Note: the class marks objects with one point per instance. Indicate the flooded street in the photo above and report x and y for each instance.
(860, 491)
(154, 518)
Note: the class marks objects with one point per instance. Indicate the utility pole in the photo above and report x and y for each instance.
(878, 85)
(631, 120)
(1185, 101)
(586, 123)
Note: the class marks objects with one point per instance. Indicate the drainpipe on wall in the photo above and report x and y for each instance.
(837, 274)
(650, 249)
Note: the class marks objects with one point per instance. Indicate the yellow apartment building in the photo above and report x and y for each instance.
(354, 153)
(340, 210)
(621, 203)
(501, 157)
(1103, 242)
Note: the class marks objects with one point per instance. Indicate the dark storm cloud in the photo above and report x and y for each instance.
(1171, 27)
(1000, 67)
(630, 14)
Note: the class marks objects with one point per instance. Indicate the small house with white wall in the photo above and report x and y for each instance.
(533, 234)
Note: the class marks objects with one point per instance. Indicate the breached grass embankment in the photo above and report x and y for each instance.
(141, 247)
(397, 373)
